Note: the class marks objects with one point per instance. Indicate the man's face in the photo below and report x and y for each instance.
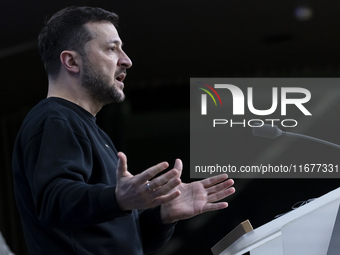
(104, 64)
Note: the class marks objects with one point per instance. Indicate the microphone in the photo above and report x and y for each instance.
(272, 131)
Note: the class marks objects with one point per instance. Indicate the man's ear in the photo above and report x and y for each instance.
(70, 60)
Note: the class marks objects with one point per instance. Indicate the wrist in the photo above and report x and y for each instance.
(165, 217)
(119, 201)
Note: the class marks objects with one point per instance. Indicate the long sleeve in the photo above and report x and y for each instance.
(59, 163)
(155, 234)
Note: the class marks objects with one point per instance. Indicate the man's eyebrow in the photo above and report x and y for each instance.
(118, 42)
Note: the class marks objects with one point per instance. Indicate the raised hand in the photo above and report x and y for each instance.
(145, 190)
(197, 197)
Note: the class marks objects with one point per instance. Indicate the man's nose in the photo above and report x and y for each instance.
(124, 61)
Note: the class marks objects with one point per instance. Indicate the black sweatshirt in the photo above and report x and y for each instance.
(64, 169)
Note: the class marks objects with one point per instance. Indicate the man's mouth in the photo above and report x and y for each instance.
(121, 77)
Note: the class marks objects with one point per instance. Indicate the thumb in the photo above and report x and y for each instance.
(122, 165)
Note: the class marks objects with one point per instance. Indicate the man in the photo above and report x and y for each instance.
(74, 192)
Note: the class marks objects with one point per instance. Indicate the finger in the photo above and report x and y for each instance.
(165, 189)
(214, 180)
(214, 206)
(221, 186)
(173, 174)
(151, 172)
(220, 195)
(178, 165)
(164, 178)
(166, 198)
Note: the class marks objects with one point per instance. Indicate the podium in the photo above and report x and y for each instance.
(312, 229)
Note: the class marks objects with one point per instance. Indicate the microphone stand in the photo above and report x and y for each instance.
(311, 138)
(272, 131)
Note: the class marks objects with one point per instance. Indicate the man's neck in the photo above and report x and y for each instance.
(74, 94)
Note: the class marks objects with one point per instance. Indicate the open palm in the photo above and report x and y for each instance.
(197, 197)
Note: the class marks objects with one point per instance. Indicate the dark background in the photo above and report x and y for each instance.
(169, 42)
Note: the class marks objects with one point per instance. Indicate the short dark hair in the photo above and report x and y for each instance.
(66, 30)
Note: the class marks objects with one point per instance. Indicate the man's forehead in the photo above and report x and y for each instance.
(104, 31)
